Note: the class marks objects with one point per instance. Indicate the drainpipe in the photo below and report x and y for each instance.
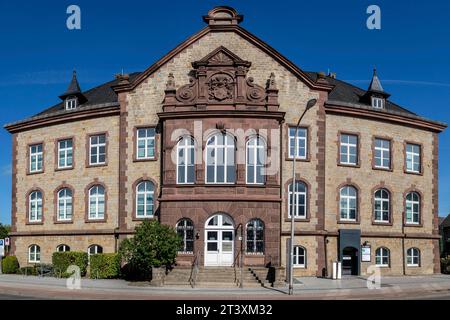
(403, 244)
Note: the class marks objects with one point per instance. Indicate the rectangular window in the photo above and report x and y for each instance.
(145, 143)
(377, 103)
(65, 154)
(413, 158)
(348, 149)
(302, 137)
(382, 154)
(97, 149)
(36, 158)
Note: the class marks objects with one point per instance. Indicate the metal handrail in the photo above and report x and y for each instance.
(194, 271)
(236, 266)
(239, 280)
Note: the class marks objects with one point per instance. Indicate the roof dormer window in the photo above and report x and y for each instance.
(71, 103)
(377, 103)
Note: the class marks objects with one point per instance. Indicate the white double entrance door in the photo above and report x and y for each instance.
(219, 241)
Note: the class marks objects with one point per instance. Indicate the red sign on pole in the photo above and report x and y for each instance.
(7, 242)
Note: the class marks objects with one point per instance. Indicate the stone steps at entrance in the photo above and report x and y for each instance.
(210, 277)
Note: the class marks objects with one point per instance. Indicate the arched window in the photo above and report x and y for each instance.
(34, 253)
(348, 203)
(381, 206)
(144, 199)
(382, 257)
(256, 159)
(95, 249)
(63, 248)
(220, 166)
(97, 202)
(185, 229)
(255, 236)
(65, 204)
(299, 257)
(412, 208)
(413, 257)
(301, 191)
(35, 206)
(185, 161)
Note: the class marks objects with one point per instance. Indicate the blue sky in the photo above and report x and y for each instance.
(38, 52)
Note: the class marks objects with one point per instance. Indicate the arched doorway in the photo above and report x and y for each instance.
(350, 261)
(219, 240)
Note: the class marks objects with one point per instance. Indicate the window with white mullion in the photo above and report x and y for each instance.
(382, 153)
(96, 203)
(413, 257)
(381, 206)
(144, 199)
(220, 167)
(36, 158)
(349, 149)
(299, 257)
(348, 204)
(255, 160)
(413, 158)
(412, 208)
(65, 205)
(97, 149)
(145, 143)
(65, 153)
(34, 254)
(35, 206)
(185, 161)
(300, 196)
(382, 257)
(302, 145)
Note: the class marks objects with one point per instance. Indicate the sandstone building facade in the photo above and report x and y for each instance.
(203, 140)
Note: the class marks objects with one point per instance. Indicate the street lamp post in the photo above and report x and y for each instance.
(311, 103)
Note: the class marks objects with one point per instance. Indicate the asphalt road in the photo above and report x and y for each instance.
(16, 297)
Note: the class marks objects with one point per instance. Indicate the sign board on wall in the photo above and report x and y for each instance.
(6, 242)
(2, 247)
(365, 254)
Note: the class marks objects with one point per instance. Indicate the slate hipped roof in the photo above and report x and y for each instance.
(104, 96)
(445, 223)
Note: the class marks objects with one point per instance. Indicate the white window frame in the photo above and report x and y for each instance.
(348, 145)
(36, 157)
(385, 154)
(65, 202)
(348, 208)
(257, 225)
(35, 207)
(378, 103)
(96, 251)
(292, 189)
(97, 147)
(254, 147)
(411, 255)
(63, 248)
(382, 201)
(34, 254)
(302, 142)
(71, 103)
(97, 197)
(147, 139)
(65, 154)
(411, 203)
(183, 226)
(382, 253)
(186, 145)
(411, 157)
(297, 255)
(228, 144)
(144, 194)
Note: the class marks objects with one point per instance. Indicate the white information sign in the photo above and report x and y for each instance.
(365, 254)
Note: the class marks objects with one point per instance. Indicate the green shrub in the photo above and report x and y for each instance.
(10, 265)
(153, 245)
(28, 271)
(104, 266)
(62, 260)
(445, 265)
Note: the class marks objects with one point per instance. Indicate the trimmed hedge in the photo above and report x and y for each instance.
(104, 266)
(445, 265)
(62, 260)
(10, 265)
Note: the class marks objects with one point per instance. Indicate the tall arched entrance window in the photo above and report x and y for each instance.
(219, 240)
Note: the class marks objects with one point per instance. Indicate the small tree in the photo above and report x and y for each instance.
(4, 230)
(153, 245)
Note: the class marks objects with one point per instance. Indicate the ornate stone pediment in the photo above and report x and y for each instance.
(220, 79)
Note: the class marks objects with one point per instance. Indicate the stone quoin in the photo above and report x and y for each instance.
(203, 141)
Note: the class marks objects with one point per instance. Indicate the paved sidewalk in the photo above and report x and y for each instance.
(305, 288)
